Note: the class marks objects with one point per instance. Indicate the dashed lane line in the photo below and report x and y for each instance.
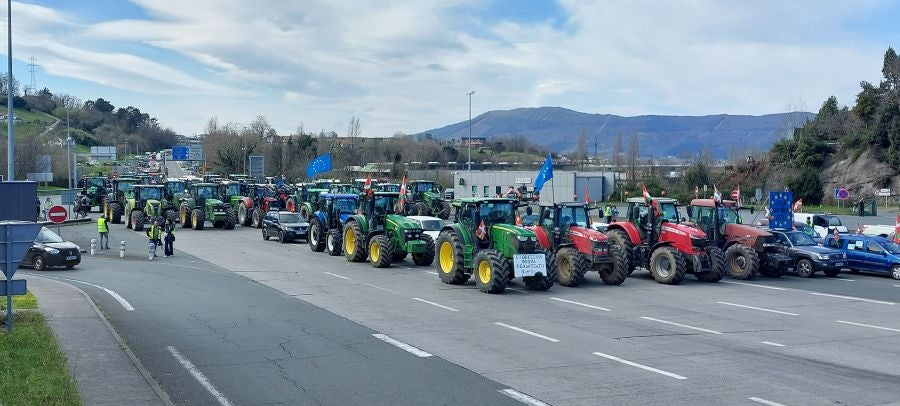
(765, 402)
(758, 308)
(869, 326)
(521, 397)
(754, 285)
(432, 272)
(861, 299)
(435, 304)
(641, 366)
(580, 304)
(114, 295)
(840, 279)
(682, 325)
(403, 346)
(337, 276)
(531, 333)
(379, 287)
(189, 366)
(772, 344)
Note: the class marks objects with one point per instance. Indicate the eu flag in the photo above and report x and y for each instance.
(545, 174)
(321, 164)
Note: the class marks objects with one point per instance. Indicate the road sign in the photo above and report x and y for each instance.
(68, 196)
(16, 238)
(883, 192)
(57, 214)
(13, 287)
(758, 194)
(195, 152)
(842, 194)
(257, 166)
(180, 153)
(735, 194)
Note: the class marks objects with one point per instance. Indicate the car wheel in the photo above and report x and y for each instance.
(265, 235)
(39, 262)
(805, 268)
(70, 266)
(895, 271)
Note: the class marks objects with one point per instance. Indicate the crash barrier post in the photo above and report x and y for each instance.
(93, 244)
(122, 249)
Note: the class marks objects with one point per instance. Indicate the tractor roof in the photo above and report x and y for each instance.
(205, 184)
(392, 194)
(339, 196)
(710, 203)
(565, 204)
(658, 199)
(149, 186)
(478, 200)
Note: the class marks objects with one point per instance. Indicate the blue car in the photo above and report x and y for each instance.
(871, 254)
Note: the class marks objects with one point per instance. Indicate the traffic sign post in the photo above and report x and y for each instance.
(58, 215)
(16, 237)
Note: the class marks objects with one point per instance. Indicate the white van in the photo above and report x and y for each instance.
(824, 224)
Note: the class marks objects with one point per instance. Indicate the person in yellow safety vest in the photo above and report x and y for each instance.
(607, 211)
(103, 229)
(809, 221)
(153, 235)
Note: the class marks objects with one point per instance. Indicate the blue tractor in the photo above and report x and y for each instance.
(326, 225)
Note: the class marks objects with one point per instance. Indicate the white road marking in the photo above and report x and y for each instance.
(399, 266)
(403, 346)
(896, 286)
(431, 272)
(861, 299)
(754, 285)
(198, 376)
(531, 333)
(841, 279)
(379, 287)
(517, 290)
(682, 325)
(765, 402)
(435, 304)
(338, 276)
(579, 304)
(114, 295)
(758, 308)
(521, 397)
(772, 344)
(635, 364)
(869, 326)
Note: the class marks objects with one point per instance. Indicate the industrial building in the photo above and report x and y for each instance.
(565, 185)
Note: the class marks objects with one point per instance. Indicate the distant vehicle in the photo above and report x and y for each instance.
(799, 226)
(877, 230)
(530, 220)
(871, 254)
(808, 258)
(51, 250)
(430, 225)
(824, 224)
(284, 225)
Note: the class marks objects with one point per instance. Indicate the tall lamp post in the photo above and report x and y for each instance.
(469, 162)
(68, 150)
(10, 143)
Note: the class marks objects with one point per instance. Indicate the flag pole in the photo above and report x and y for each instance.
(552, 192)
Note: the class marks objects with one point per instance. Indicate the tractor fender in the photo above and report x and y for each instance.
(660, 245)
(248, 202)
(465, 237)
(542, 237)
(321, 216)
(361, 220)
(629, 229)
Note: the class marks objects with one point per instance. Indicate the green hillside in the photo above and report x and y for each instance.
(32, 123)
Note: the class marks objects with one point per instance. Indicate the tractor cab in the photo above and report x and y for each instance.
(646, 219)
(377, 206)
(324, 183)
(231, 190)
(418, 188)
(211, 178)
(472, 212)
(388, 187)
(203, 191)
(705, 213)
(174, 187)
(344, 188)
(336, 207)
(556, 219)
(123, 187)
(148, 197)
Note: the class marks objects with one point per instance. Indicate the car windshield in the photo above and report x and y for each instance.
(206, 191)
(800, 239)
(151, 193)
(806, 229)
(890, 246)
(497, 212)
(833, 221)
(289, 218)
(96, 182)
(432, 225)
(47, 236)
(345, 205)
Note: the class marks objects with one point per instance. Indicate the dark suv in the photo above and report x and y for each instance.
(809, 258)
(284, 225)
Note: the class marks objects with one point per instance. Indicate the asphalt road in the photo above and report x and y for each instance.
(211, 336)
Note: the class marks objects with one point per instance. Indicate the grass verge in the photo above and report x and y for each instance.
(34, 368)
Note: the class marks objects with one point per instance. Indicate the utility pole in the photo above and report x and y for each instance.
(469, 162)
(68, 149)
(10, 142)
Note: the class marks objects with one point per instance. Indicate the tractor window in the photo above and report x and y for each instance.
(151, 193)
(175, 187)
(467, 214)
(345, 205)
(96, 182)
(548, 218)
(728, 216)
(206, 192)
(669, 212)
(233, 189)
(573, 216)
(126, 186)
(498, 213)
(704, 218)
(384, 205)
(424, 187)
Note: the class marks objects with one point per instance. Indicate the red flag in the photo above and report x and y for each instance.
(402, 201)
(368, 184)
(481, 231)
(646, 194)
(587, 197)
(798, 205)
(897, 230)
(518, 220)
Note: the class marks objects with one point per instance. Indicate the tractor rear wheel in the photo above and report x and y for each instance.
(304, 213)
(230, 218)
(185, 215)
(491, 270)
(716, 267)
(742, 262)
(543, 282)
(427, 257)
(290, 205)
(354, 243)
(571, 267)
(316, 236)
(244, 217)
(198, 219)
(621, 239)
(137, 220)
(450, 265)
(334, 242)
(115, 210)
(381, 251)
(171, 215)
(258, 216)
(615, 273)
(445, 211)
(667, 266)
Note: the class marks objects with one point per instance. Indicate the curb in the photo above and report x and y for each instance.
(163, 396)
(67, 222)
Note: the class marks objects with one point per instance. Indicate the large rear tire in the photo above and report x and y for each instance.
(171, 215)
(334, 242)
(667, 266)
(742, 262)
(716, 269)
(427, 257)
(316, 236)
(354, 243)
(198, 219)
(258, 216)
(138, 218)
(450, 265)
(185, 215)
(290, 205)
(420, 209)
(116, 210)
(304, 213)
(615, 273)
(619, 237)
(381, 251)
(571, 267)
(445, 211)
(244, 215)
(543, 282)
(491, 270)
(230, 218)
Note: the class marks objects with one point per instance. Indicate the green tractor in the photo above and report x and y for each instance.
(202, 204)
(144, 205)
(94, 187)
(426, 199)
(173, 191)
(484, 241)
(309, 202)
(233, 193)
(383, 236)
(345, 188)
(115, 201)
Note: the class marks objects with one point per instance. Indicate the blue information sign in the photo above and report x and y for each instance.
(180, 153)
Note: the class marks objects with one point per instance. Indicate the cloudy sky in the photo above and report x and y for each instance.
(406, 65)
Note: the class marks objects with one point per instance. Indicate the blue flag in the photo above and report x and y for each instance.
(545, 174)
(321, 164)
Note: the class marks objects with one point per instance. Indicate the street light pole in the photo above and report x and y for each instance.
(68, 149)
(469, 162)
(10, 143)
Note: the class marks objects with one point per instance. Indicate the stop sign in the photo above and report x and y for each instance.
(57, 214)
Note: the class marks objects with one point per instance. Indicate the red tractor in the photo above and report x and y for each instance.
(653, 238)
(566, 229)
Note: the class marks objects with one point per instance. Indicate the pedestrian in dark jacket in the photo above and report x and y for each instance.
(169, 237)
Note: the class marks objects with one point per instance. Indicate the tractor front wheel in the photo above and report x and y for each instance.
(334, 242)
(615, 273)
(354, 243)
(667, 266)
(427, 257)
(742, 262)
(137, 220)
(198, 219)
(316, 238)
(491, 270)
(115, 210)
(230, 218)
(450, 265)
(543, 282)
(381, 251)
(185, 215)
(571, 267)
(716, 267)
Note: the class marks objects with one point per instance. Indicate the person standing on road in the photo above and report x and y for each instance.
(169, 238)
(153, 237)
(615, 213)
(47, 205)
(607, 211)
(103, 229)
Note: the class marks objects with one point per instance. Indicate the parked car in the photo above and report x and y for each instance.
(430, 225)
(808, 257)
(824, 224)
(799, 226)
(871, 254)
(284, 225)
(51, 250)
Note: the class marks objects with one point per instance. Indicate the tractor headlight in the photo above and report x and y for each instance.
(534, 239)
(522, 238)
